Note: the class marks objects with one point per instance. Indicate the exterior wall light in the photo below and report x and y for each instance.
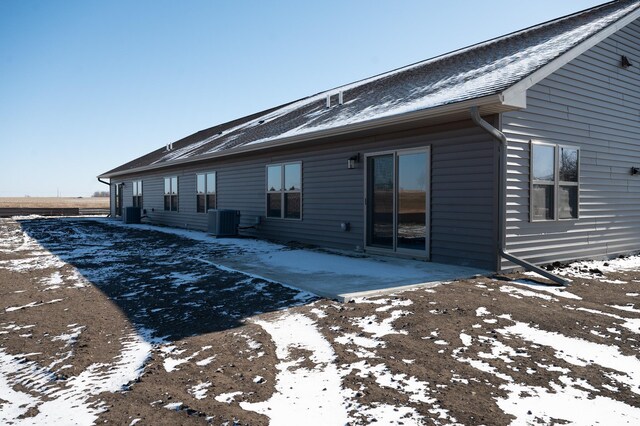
(635, 171)
(351, 162)
(625, 62)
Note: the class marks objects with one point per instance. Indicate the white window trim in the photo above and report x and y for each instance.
(556, 182)
(206, 190)
(140, 193)
(282, 191)
(177, 191)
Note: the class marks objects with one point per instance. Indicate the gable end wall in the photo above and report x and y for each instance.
(592, 103)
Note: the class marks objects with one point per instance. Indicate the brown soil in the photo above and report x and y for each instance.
(242, 350)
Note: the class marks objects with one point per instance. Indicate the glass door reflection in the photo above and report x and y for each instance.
(397, 213)
(411, 215)
(380, 211)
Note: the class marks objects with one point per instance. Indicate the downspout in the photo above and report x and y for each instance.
(502, 201)
(109, 185)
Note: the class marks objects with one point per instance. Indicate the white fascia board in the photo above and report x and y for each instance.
(520, 88)
(336, 131)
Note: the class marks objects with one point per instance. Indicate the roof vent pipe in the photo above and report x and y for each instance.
(502, 200)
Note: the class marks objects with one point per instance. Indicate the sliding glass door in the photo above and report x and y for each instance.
(397, 201)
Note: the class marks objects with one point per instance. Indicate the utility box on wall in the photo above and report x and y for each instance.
(223, 223)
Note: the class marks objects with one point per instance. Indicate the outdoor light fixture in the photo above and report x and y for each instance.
(351, 162)
(624, 62)
(635, 171)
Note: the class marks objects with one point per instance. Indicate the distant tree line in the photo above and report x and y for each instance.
(101, 194)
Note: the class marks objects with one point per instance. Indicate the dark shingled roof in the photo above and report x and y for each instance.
(485, 69)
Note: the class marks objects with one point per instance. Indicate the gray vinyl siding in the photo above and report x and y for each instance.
(463, 227)
(594, 104)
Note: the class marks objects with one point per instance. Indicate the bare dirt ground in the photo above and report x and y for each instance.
(55, 202)
(120, 326)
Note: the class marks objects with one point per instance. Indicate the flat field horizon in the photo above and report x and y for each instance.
(54, 202)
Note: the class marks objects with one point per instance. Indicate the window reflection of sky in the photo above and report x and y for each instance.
(543, 162)
(412, 172)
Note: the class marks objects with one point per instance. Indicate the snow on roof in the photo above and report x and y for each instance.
(480, 70)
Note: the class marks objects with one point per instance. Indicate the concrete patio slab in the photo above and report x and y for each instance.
(335, 275)
(343, 277)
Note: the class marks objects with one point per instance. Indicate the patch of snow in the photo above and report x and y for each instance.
(483, 366)
(386, 414)
(534, 404)
(466, 339)
(553, 368)
(302, 393)
(174, 406)
(481, 311)
(379, 329)
(318, 312)
(581, 352)
(527, 293)
(626, 308)
(31, 305)
(228, 397)
(555, 290)
(205, 361)
(632, 324)
(199, 391)
(52, 282)
(57, 402)
(69, 338)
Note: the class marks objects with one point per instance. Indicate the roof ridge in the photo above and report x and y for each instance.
(472, 46)
(483, 69)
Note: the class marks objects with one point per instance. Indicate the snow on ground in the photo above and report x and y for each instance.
(72, 399)
(555, 290)
(568, 399)
(103, 262)
(302, 393)
(332, 360)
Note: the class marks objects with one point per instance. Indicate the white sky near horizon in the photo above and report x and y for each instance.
(86, 86)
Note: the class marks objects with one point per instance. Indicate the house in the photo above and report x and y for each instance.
(519, 150)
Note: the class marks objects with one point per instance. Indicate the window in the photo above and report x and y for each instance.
(554, 182)
(171, 193)
(118, 196)
(137, 193)
(205, 192)
(284, 191)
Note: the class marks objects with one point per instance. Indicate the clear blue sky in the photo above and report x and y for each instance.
(88, 85)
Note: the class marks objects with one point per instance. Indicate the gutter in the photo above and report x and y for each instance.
(502, 200)
(109, 185)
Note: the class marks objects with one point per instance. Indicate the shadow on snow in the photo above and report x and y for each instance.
(158, 280)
